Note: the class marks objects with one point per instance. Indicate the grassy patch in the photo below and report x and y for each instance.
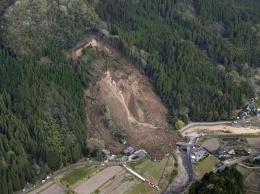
(143, 166)
(205, 166)
(142, 188)
(77, 174)
(157, 169)
(136, 163)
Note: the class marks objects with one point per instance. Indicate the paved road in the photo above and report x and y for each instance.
(193, 124)
(236, 161)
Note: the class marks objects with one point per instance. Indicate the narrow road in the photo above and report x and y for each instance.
(236, 161)
(58, 172)
(193, 124)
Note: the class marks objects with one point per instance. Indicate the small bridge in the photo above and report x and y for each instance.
(184, 144)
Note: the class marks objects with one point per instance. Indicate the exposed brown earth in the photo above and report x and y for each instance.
(132, 106)
(242, 170)
(254, 142)
(121, 184)
(211, 144)
(252, 182)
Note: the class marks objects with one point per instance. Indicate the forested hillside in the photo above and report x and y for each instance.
(29, 26)
(42, 117)
(42, 120)
(200, 51)
(228, 181)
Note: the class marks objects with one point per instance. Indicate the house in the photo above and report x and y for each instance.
(258, 112)
(221, 152)
(231, 152)
(107, 153)
(140, 153)
(246, 109)
(199, 154)
(123, 141)
(242, 115)
(129, 150)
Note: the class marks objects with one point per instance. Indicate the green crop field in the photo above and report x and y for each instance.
(144, 166)
(78, 174)
(205, 166)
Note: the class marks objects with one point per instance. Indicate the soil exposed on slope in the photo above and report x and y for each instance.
(132, 108)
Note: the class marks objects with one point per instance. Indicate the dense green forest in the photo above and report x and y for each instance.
(42, 120)
(200, 51)
(229, 180)
(42, 117)
(199, 54)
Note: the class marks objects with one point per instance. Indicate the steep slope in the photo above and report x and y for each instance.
(200, 51)
(121, 105)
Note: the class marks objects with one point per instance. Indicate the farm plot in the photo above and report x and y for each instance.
(242, 170)
(142, 188)
(253, 181)
(155, 172)
(99, 179)
(121, 184)
(142, 166)
(78, 174)
(54, 189)
(254, 142)
(205, 166)
(232, 141)
(211, 144)
(149, 169)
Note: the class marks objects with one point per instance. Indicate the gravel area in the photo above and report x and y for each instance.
(181, 180)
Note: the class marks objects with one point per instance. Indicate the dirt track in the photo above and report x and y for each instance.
(41, 188)
(236, 130)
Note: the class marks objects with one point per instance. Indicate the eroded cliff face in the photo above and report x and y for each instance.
(121, 103)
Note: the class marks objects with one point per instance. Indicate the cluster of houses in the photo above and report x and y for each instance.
(108, 155)
(198, 154)
(249, 109)
(128, 151)
(224, 153)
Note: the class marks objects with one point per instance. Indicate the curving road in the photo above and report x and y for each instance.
(237, 161)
